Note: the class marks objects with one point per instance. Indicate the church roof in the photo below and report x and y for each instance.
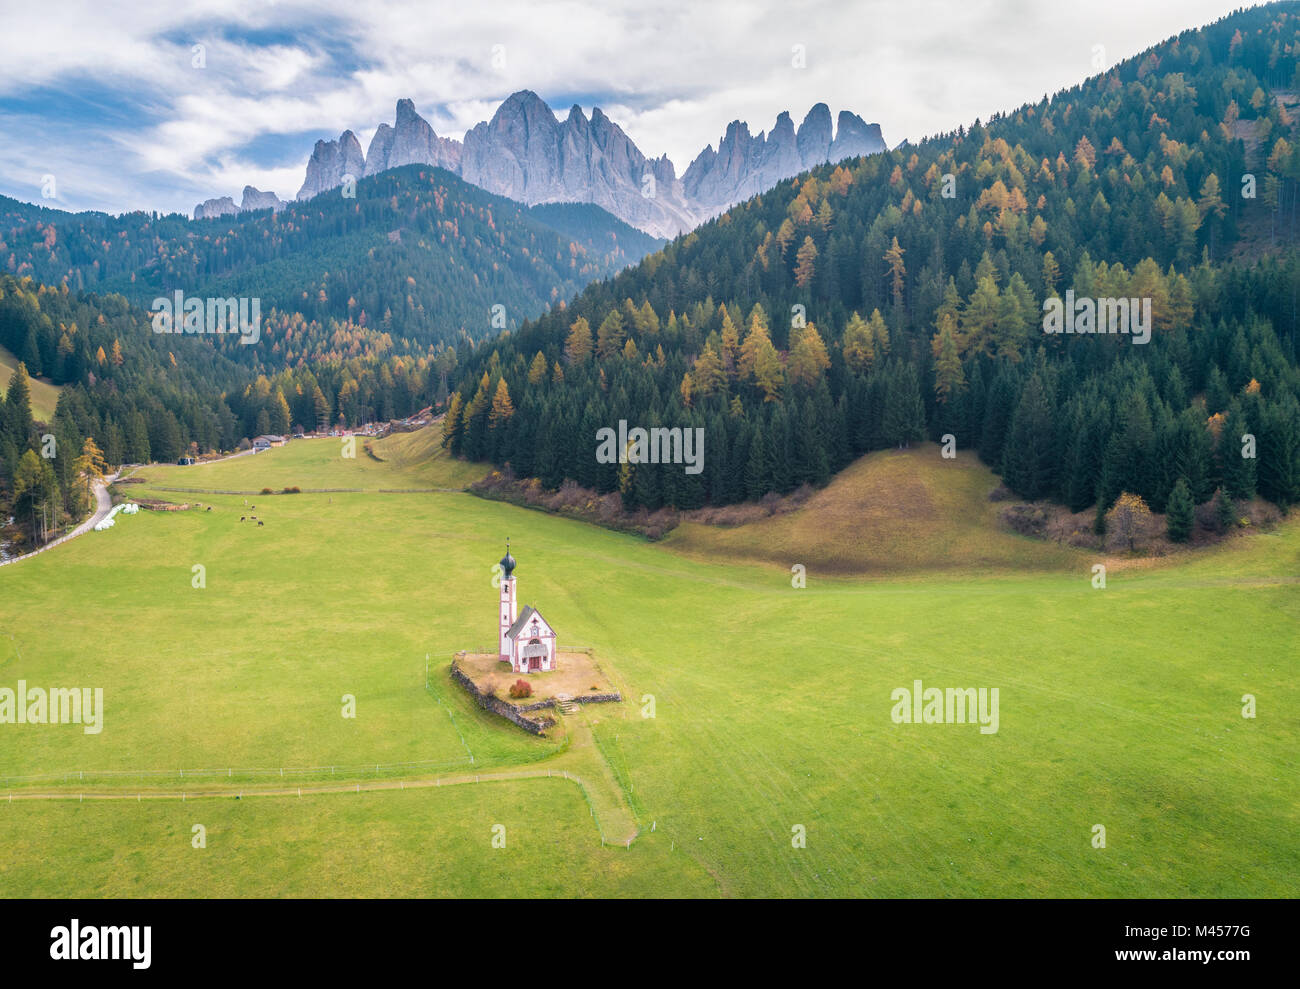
(528, 612)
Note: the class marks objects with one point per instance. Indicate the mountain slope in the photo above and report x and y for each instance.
(417, 254)
(902, 296)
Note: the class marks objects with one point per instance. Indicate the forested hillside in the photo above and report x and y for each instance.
(900, 296)
(142, 396)
(359, 297)
(418, 257)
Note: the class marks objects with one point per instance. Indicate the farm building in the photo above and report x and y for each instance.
(266, 442)
(527, 641)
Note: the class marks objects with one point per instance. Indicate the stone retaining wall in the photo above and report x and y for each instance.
(534, 726)
(515, 713)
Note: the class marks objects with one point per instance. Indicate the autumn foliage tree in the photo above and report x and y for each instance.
(1128, 518)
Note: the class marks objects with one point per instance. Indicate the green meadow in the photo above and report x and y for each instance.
(45, 396)
(754, 711)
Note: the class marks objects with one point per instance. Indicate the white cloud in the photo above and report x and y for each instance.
(672, 74)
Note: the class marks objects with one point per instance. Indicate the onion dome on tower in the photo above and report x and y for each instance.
(508, 562)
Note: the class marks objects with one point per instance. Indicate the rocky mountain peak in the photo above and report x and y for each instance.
(745, 165)
(855, 137)
(410, 141)
(255, 199)
(524, 152)
(210, 209)
(814, 136)
(330, 162)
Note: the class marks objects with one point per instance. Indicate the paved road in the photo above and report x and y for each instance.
(103, 505)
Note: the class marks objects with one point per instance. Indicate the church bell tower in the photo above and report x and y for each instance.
(508, 612)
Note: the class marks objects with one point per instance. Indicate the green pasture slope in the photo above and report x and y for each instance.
(1119, 707)
(45, 396)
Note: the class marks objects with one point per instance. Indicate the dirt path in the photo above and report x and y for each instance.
(600, 789)
(118, 793)
(608, 803)
(623, 834)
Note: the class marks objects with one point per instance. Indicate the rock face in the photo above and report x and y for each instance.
(330, 161)
(855, 137)
(254, 199)
(410, 142)
(257, 199)
(526, 153)
(744, 165)
(210, 209)
(814, 137)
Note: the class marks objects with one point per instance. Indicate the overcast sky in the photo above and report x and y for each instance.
(107, 98)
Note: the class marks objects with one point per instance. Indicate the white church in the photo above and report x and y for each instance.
(527, 642)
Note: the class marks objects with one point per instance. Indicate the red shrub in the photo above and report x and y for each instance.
(521, 688)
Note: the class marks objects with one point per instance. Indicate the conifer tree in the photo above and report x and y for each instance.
(730, 346)
(610, 335)
(1238, 469)
(805, 260)
(949, 377)
(709, 376)
(577, 347)
(452, 424)
(1180, 512)
(502, 407)
(758, 476)
(18, 406)
(904, 414)
(859, 347)
(1225, 514)
(897, 271)
(780, 450)
(1030, 456)
(537, 369)
(808, 357)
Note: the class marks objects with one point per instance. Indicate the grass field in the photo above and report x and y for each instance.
(45, 396)
(893, 512)
(770, 705)
(410, 460)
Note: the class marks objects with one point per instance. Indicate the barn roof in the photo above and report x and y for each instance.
(524, 615)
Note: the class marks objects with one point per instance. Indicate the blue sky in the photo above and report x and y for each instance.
(120, 107)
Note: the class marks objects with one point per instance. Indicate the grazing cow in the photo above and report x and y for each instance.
(241, 518)
(261, 523)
